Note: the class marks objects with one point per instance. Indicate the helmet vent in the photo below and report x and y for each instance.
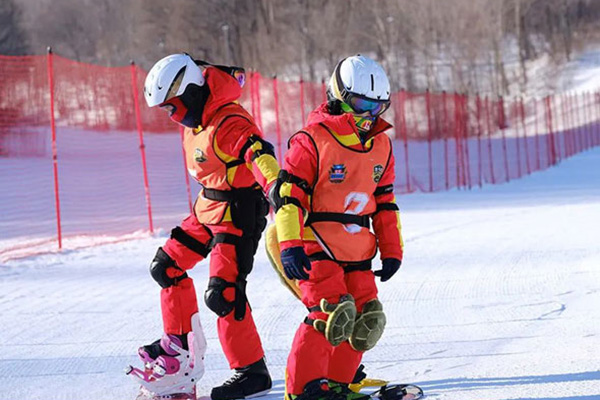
(372, 82)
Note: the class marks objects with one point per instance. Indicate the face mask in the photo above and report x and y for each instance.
(364, 122)
(187, 109)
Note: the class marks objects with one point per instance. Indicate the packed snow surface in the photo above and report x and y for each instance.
(498, 298)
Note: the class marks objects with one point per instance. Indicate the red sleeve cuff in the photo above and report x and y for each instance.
(289, 244)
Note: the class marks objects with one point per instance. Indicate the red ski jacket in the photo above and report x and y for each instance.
(311, 157)
(213, 150)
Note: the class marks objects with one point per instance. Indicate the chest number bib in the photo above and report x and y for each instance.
(355, 203)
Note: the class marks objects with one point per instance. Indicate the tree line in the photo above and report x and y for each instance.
(456, 45)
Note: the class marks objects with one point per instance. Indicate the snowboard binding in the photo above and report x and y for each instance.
(398, 392)
(177, 371)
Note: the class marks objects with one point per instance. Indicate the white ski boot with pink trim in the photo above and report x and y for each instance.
(172, 365)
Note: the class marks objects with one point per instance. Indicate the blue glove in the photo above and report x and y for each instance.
(295, 263)
(389, 266)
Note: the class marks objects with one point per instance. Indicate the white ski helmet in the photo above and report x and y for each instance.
(361, 83)
(169, 78)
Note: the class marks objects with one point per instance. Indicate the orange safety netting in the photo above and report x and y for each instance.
(82, 156)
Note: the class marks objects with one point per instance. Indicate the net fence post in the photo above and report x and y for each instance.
(429, 138)
(551, 147)
(479, 161)
(502, 126)
(403, 129)
(588, 119)
(565, 124)
(465, 125)
(138, 123)
(458, 152)
(514, 118)
(50, 70)
(574, 122)
(488, 123)
(524, 125)
(446, 129)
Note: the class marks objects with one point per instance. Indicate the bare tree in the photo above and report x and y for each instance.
(464, 45)
(12, 37)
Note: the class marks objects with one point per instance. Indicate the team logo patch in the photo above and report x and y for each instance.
(377, 173)
(199, 156)
(337, 173)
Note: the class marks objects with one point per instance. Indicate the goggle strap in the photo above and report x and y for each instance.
(231, 70)
(338, 80)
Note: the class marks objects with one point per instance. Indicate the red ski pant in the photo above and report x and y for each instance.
(312, 356)
(239, 339)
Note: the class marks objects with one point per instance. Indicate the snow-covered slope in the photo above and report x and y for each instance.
(498, 298)
(581, 74)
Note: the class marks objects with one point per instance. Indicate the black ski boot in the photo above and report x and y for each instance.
(250, 381)
(316, 390)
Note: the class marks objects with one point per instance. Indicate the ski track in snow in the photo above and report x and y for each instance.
(498, 298)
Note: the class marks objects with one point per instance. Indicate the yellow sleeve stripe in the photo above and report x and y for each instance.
(399, 226)
(256, 146)
(227, 216)
(288, 224)
(268, 167)
(231, 174)
(285, 190)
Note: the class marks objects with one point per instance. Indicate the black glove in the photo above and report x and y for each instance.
(295, 263)
(389, 266)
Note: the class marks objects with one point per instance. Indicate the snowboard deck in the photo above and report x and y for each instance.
(385, 392)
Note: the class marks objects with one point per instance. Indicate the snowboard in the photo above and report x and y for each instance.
(385, 392)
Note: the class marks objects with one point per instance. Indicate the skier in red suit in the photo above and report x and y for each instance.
(226, 154)
(336, 181)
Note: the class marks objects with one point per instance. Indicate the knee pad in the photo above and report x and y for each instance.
(214, 299)
(340, 320)
(165, 271)
(369, 326)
